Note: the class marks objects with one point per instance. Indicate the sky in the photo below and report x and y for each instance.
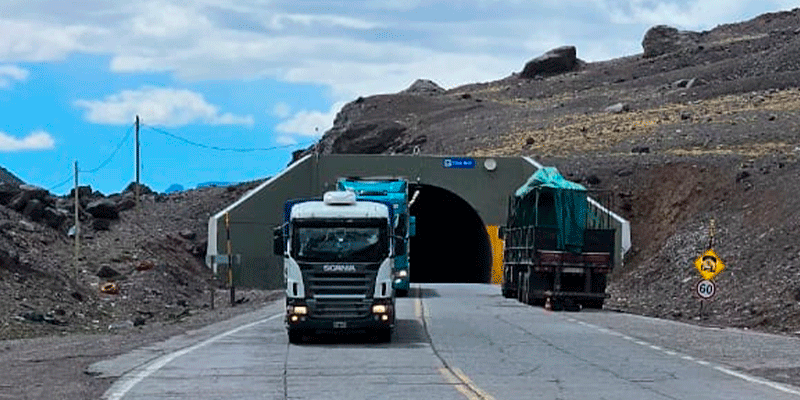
(227, 89)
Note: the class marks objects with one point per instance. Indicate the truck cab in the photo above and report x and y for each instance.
(338, 256)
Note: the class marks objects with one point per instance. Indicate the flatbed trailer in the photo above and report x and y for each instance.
(557, 246)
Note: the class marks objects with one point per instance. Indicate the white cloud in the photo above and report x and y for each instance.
(9, 73)
(285, 140)
(36, 140)
(161, 106)
(281, 110)
(686, 14)
(310, 123)
(352, 48)
(280, 21)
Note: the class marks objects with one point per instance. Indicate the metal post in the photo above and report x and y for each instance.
(137, 163)
(230, 259)
(711, 233)
(77, 224)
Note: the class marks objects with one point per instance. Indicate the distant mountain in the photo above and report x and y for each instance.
(214, 184)
(174, 188)
(8, 177)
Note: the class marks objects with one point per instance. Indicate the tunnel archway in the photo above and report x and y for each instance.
(451, 244)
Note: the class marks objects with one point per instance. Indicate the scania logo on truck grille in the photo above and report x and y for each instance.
(339, 268)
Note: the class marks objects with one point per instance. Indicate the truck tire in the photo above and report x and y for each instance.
(595, 304)
(295, 336)
(383, 336)
(520, 287)
(401, 292)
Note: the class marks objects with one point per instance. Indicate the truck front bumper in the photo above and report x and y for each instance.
(381, 316)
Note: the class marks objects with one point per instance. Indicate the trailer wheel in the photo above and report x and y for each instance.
(520, 288)
(595, 304)
(295, 336)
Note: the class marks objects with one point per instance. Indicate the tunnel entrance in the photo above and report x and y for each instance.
(451, 244)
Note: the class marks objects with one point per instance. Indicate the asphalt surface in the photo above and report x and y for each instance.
(460, 341)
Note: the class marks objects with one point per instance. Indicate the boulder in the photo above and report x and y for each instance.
(555, 61)
(26, 194)
(618, 108)
(84, 192)
(106, 272)
(124, 203)
(187, 234)
(424, 86)
(54, 217)
(7, 192)
(368, 137)
(34, 210)
(143, 189)
(663, 39)
(101, 224)
(103, 208)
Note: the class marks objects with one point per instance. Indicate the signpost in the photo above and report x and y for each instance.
(709, 265)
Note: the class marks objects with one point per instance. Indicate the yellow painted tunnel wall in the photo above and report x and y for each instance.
(497, 253)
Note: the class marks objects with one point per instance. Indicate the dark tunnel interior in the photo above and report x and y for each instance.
(451, 244)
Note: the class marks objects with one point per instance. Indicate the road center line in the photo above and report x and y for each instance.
(455, 376)
(131, 379)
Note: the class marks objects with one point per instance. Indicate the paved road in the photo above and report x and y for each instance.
(463, 341)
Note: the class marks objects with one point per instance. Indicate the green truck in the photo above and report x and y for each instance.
(559, 248)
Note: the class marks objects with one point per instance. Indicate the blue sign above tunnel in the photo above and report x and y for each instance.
(458, 163)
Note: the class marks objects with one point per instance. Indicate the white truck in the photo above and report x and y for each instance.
(338, 265)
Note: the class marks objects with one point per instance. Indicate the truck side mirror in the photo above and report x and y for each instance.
(501, 232)
(399, 246)
(278, 242)
(412, 226)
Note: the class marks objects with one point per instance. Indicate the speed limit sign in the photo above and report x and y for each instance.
(706, 289)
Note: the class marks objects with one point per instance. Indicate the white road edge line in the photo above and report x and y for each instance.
(131, 379)
(753, 379)
(748, 378)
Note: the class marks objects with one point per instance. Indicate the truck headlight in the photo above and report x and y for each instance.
(379, 309)
(402, 273)
(299, 310)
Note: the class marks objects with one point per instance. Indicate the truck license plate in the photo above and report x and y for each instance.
(340, 324)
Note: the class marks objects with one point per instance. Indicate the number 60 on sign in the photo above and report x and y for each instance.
(706, 289)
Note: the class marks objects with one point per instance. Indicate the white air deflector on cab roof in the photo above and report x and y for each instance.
(340, 198)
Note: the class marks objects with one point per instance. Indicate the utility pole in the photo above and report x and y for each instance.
(137, 163)
(77, 224)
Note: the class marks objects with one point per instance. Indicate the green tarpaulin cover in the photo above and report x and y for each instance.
(562, 205)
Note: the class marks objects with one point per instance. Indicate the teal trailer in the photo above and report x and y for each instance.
(393, 191)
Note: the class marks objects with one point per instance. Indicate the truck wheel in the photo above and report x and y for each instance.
(401, 292)
(295, 337)
(506, 293)
(383, 336)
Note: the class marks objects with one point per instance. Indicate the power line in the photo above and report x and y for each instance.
(113, 153)
(240, 150)
(58, 185)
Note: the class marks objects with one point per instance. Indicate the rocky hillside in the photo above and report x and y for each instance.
(150, 259)
(699, 126)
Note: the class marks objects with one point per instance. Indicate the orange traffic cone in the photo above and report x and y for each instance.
(548, 305)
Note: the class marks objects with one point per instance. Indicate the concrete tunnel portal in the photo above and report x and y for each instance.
(462, 202)
(451, 244)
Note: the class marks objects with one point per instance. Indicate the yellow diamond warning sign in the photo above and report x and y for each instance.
(709, 264)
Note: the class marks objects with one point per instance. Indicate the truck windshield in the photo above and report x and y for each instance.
(339, 242)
